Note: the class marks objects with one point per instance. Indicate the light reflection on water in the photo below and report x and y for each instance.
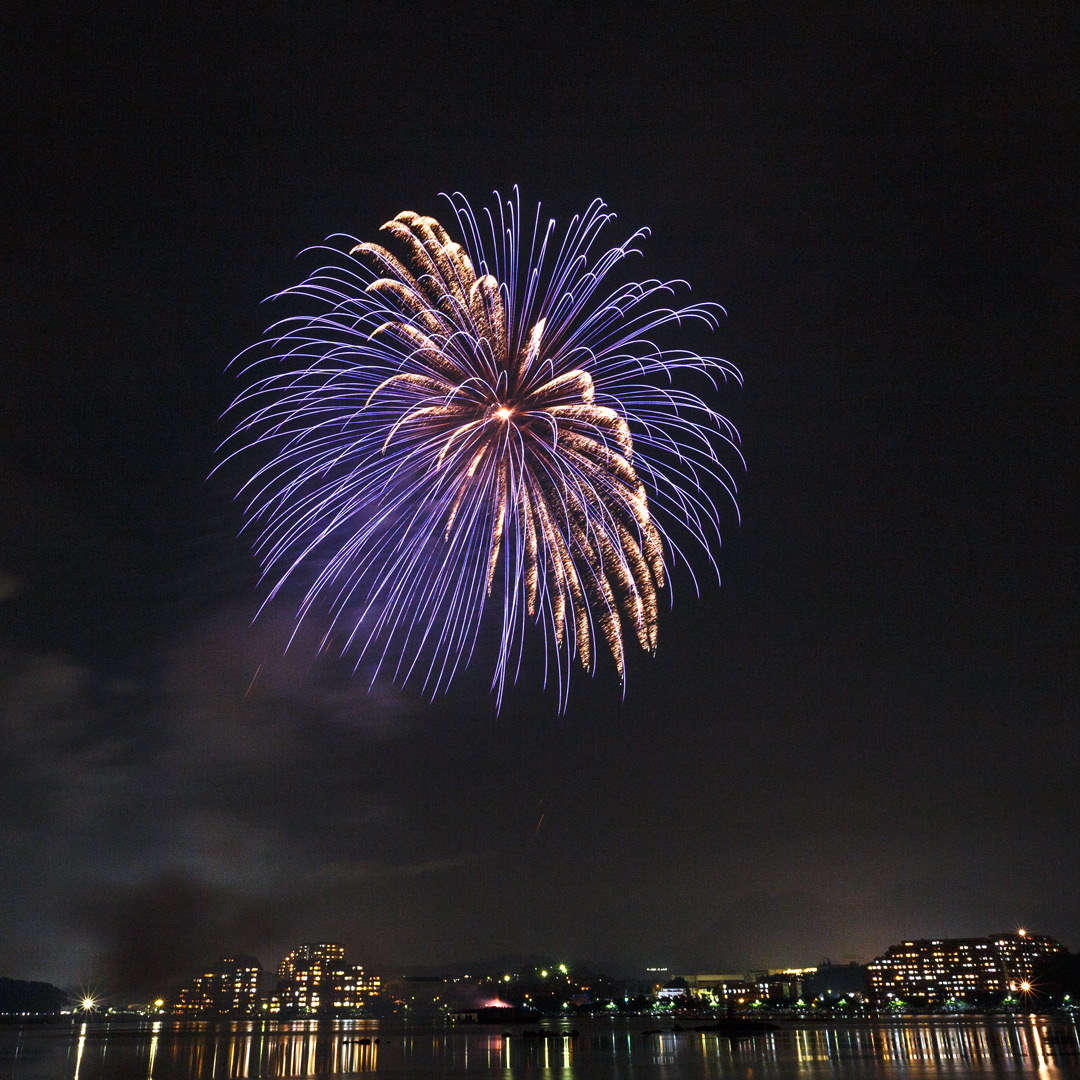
(165, 1050)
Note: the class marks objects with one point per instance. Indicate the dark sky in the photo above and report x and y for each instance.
(868, 732)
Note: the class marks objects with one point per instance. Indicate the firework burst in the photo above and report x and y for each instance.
(481, 425)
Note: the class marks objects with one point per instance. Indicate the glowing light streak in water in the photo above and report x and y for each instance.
(79, 1051)
(156, 1034)
(477, 424)
(172, 1048)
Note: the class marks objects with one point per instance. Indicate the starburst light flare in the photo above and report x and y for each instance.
(480, 426)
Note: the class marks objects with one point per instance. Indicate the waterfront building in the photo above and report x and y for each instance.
(733, 989)
(303, 956)
(1019, 954)
(782, 986)
(931, 972)
(229, 988)
(314, 978)
(777, 987)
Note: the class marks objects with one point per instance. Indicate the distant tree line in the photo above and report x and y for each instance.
(1057, 976)
(19, 996)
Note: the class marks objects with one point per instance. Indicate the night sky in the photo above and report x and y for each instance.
(867, 732)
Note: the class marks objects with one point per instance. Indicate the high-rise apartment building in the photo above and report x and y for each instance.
(229, 988)
(314, 978)
(930, 972)
(326, 953)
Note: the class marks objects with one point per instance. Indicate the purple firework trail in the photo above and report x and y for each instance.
(477, 425)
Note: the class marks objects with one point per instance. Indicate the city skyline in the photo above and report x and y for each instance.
(999, 963)
(990, 973)
(868, 728)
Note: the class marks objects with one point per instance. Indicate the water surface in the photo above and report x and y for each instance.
(869, 1050)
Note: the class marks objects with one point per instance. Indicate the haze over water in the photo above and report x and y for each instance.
(166, 1050)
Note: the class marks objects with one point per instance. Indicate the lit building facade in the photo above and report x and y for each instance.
(779, 986)
(230, 988)
(1019, 954)
(930, 973)
(326, 953)
(315, 978)
(783, 986)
